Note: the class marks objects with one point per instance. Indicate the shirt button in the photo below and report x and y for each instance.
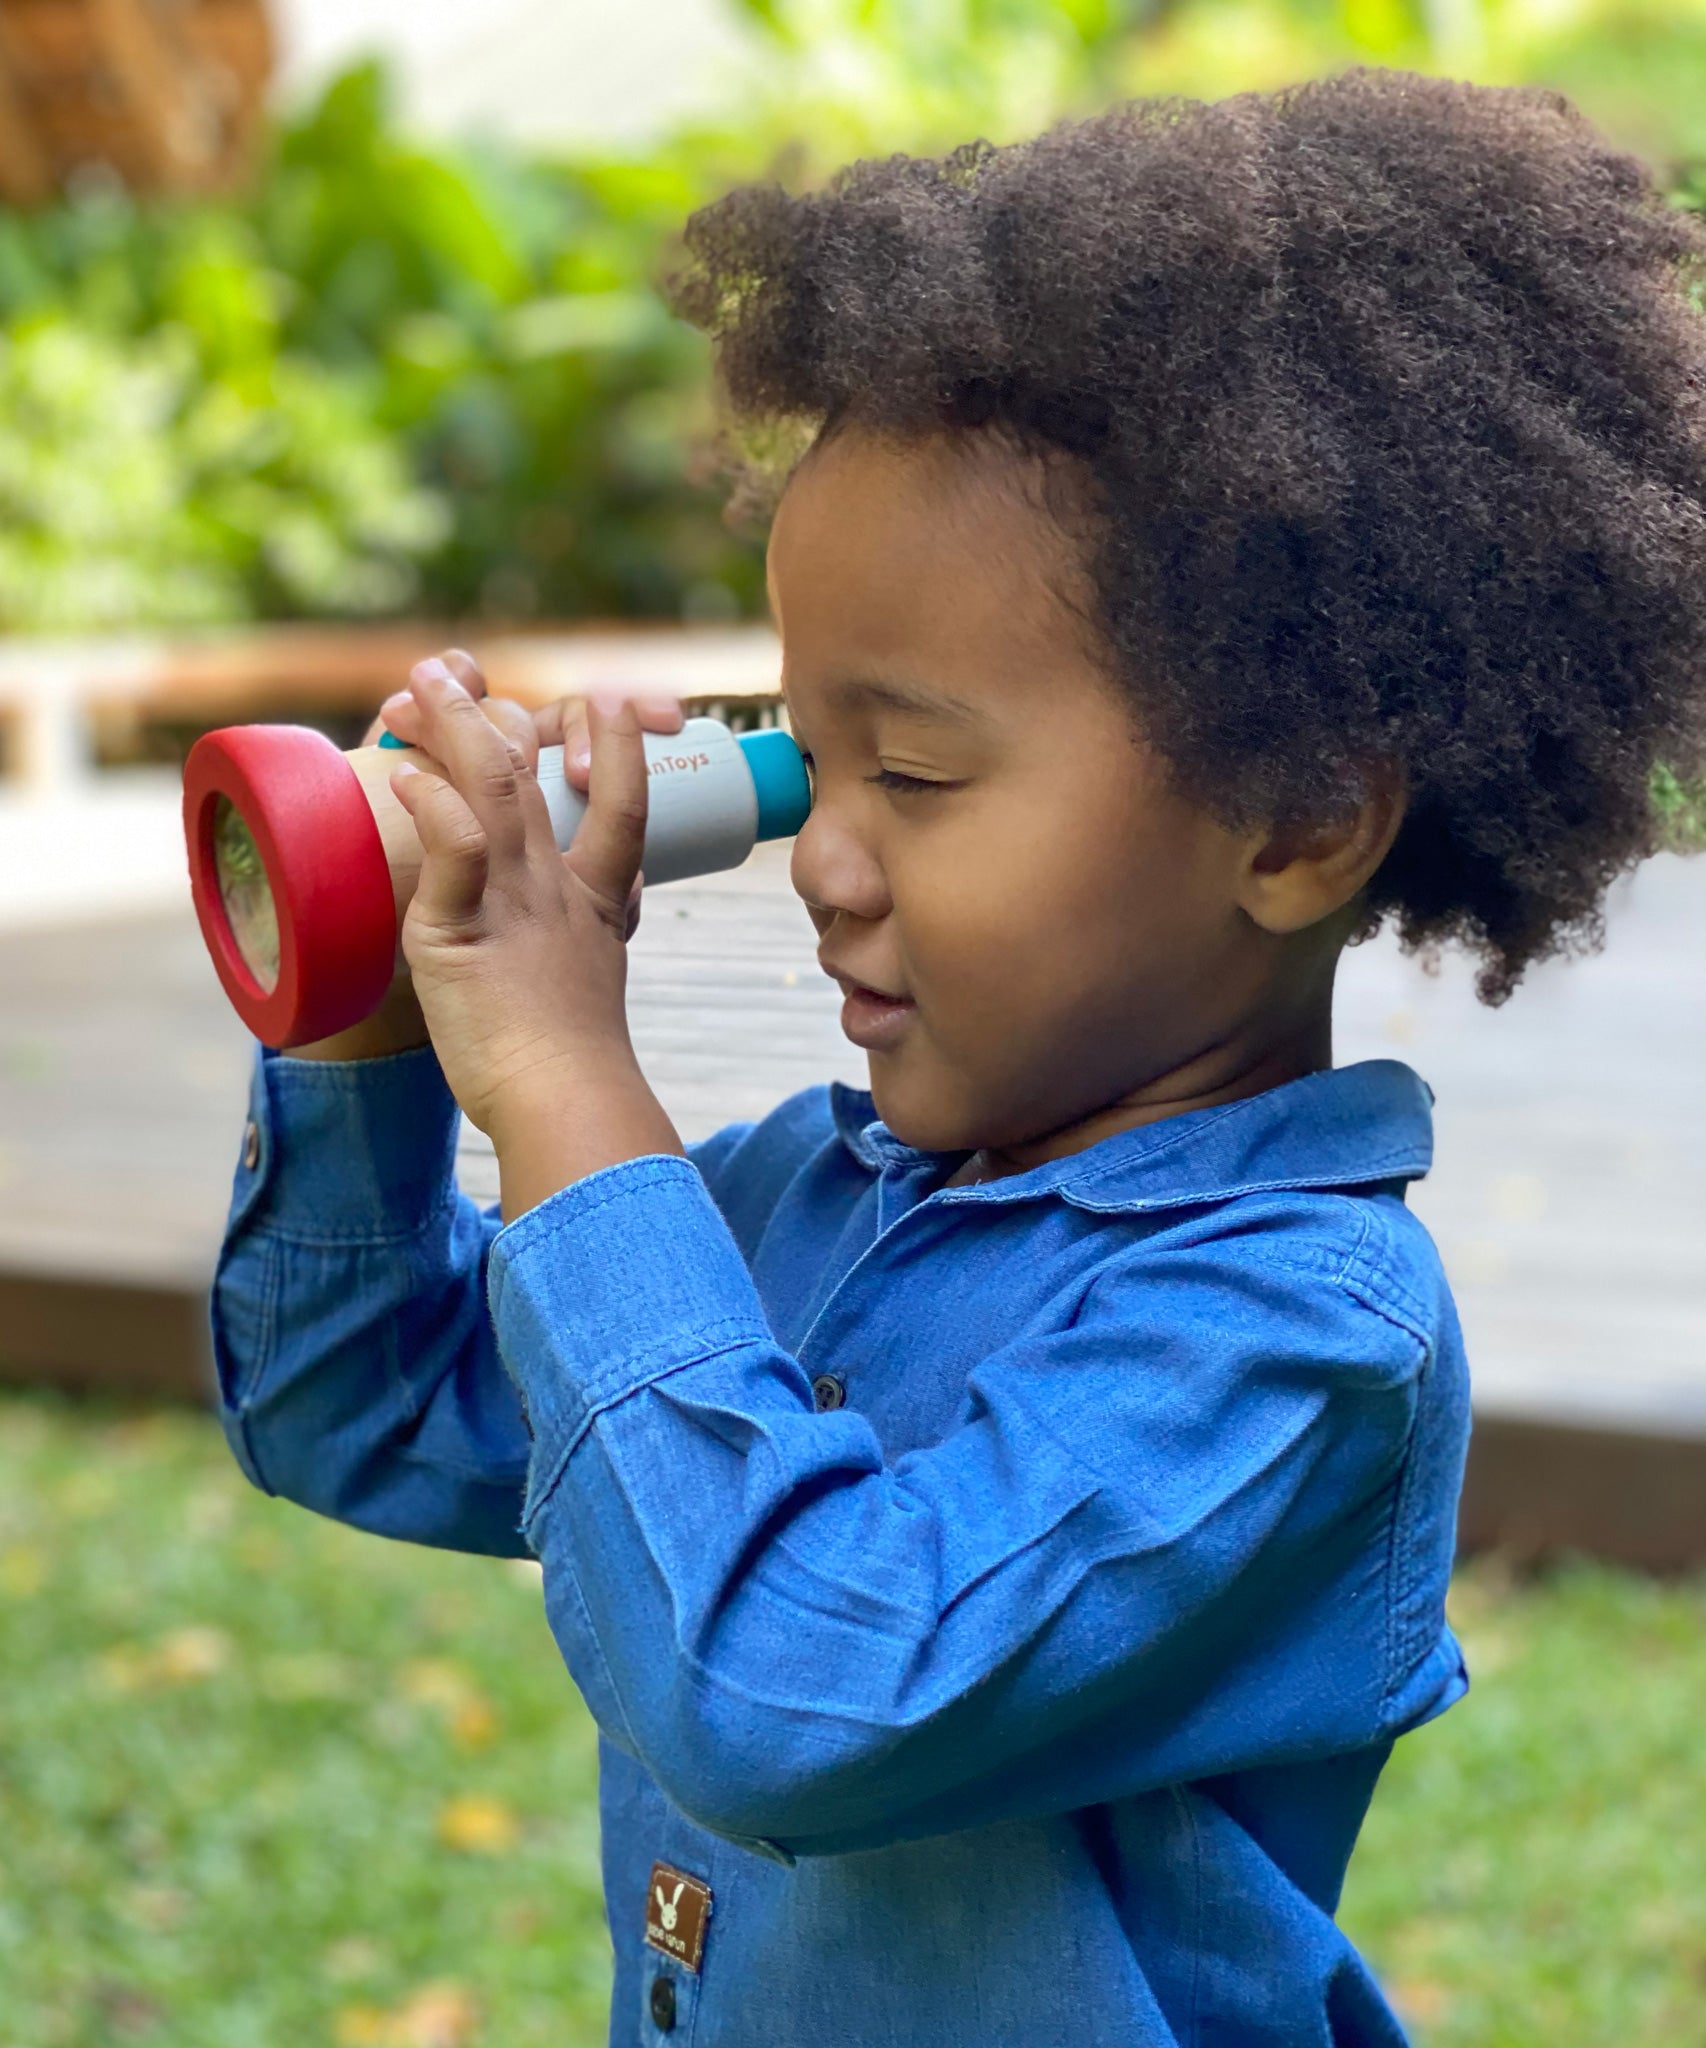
(827, 1393)
(663, 2004)
(251, 1145)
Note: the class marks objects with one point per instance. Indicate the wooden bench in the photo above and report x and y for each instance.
(63, 702)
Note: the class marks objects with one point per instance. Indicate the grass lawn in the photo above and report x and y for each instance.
(266, 1782)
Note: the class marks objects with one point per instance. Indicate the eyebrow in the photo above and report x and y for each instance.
(910, 699)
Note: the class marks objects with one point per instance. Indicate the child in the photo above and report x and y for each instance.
(1001, 1523)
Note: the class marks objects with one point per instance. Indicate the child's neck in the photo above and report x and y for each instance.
(1226, 1071)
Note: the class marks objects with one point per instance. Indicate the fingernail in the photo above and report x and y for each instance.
(404, 768)
(396, 701)
(609, 702)
(432, 670)
(581, 758)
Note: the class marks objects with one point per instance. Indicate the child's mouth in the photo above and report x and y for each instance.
(874, 1020)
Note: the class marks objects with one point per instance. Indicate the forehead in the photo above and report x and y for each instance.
(935, 551)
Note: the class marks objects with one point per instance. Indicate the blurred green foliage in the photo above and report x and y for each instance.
(394, 377)
(388, 378)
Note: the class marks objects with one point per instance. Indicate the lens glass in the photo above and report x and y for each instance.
(246, 894)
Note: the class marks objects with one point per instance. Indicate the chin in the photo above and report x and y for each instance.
(924, 1113)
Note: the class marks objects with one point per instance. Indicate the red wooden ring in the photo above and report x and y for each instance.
(331, 884)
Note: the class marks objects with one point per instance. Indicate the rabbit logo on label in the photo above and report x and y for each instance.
(677, 1908)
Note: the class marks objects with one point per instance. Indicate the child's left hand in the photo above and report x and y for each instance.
(519, 952)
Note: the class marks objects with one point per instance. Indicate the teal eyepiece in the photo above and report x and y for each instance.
(778, 773)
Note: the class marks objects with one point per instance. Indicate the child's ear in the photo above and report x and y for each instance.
(1295, 875)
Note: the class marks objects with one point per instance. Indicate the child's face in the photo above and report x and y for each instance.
(1027, 923)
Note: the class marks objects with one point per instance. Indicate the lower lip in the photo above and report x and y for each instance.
(875, 1022)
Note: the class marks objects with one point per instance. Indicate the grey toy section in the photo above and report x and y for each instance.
(702, 808)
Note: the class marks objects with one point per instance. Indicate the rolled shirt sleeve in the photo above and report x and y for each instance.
(356, 1365)
(1155, 1546)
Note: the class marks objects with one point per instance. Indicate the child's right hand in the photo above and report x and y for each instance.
(397, 1025)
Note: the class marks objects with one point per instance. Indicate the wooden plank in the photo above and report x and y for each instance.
(1569, 1197)
(1538, 1489)
(50, 689)
(146, 1341)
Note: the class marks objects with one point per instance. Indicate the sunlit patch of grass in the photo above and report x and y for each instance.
(1534, 1869)
(263, 1780)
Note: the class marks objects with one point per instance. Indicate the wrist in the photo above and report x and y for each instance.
(558, 1128)
(396, 1026)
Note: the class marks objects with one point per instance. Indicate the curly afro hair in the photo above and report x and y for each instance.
(1388, 400)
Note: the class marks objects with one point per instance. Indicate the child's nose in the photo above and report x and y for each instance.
(834, 872)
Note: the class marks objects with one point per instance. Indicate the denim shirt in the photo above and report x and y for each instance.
(1000, 1599)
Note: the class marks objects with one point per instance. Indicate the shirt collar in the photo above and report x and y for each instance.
(1343, 1127)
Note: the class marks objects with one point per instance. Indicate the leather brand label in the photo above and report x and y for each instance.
(677, 1908)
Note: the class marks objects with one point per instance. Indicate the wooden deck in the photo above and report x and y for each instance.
(1569, 1199)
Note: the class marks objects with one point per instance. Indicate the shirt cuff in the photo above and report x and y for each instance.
(625, 1276)
(341, 1151)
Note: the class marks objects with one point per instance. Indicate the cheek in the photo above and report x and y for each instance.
(1037, 934)
(1004, 903)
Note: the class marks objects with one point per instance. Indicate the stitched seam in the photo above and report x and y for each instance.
(285, 1234)
(564, 1574)
(269, 1330)
(243, 1391)
(1367, 1170)
(707, 1340)
(613, 1389)
(1398, 1582)
(1371, 1287)
(554, 1216)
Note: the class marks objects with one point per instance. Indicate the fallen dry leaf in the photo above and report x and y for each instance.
(189, 1653)
(478, 1826)
(1420, 2001)
(436, 2016)
(435, 1682)
(473, 1724)
(182, 1657)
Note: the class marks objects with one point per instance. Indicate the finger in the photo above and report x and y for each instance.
(563, 724)
(400, 716)
(487, 770)
(515, 722)
(454, 862)
(466, 670)
(461, 665)
(612, 835)
(634, 904)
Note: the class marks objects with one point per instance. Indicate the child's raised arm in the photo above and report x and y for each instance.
(357, 1370)
(1199, 1528)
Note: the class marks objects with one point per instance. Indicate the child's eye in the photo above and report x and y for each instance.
(892, 778)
